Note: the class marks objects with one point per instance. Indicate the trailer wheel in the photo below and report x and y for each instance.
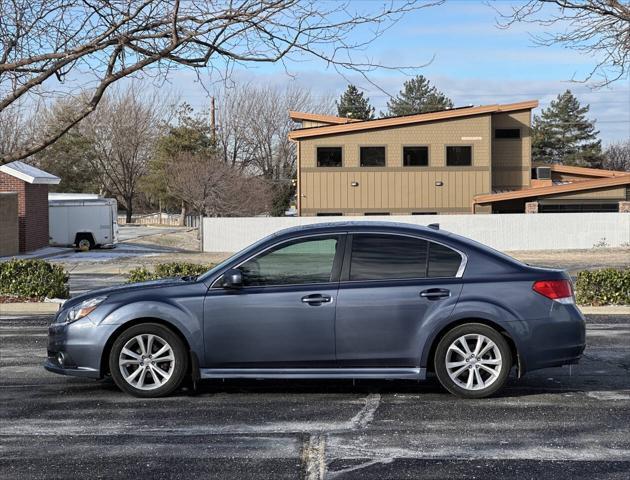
(84, 242)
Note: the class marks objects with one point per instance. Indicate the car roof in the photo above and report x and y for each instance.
(350, 226)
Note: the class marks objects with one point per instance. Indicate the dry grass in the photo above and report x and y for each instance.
(576, 260)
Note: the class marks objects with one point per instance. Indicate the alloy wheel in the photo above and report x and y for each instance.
(473, 362)
(146, 361)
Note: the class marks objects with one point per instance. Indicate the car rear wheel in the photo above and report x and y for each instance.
(148, 360)
(473, 361)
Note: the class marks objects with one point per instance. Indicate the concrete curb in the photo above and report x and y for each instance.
(29, 308)
(606, 310)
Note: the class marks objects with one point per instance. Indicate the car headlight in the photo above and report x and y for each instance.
(84, 308)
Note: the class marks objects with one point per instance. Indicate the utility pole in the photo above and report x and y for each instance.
(213, 123)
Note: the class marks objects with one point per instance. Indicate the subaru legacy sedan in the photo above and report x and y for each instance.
(352, 300)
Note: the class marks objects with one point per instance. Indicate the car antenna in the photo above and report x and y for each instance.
(434, 226)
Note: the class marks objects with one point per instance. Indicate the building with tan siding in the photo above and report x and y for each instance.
(449, 161)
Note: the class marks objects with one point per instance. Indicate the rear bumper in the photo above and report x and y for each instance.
(555, 341)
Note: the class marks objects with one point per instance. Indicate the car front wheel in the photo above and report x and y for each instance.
(148, 360)
(473, 361)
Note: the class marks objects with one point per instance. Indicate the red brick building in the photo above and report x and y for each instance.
(31, 185)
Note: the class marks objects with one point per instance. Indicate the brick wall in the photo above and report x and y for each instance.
(9, 231)
(32, 211)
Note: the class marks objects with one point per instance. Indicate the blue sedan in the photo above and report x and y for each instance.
(338, 300)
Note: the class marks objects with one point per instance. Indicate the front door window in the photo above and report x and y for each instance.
(296, 263)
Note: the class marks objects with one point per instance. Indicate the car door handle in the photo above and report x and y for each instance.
(435, 293)
(316, 299)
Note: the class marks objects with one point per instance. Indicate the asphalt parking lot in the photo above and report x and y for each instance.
(556, 423)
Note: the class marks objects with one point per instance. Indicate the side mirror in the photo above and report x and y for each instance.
(233, 278)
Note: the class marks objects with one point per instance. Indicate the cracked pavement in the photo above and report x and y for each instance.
(555, 423)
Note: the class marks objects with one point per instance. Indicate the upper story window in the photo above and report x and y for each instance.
(459, 156)
(302, 261)
(372, 156)
(415, 156)
(329, 156)
(507, 133)
(386, 256)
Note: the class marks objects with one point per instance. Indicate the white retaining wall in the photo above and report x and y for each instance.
(506, 232)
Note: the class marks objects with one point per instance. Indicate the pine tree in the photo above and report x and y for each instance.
(352, 104)
(418, 96)
(69, 157)
(190, 133)
(563, 134)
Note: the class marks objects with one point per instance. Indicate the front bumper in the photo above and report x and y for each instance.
(53, 366)
(77, 348)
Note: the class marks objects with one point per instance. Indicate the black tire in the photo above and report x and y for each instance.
(83, 239)
(467, 332)
(152, 389)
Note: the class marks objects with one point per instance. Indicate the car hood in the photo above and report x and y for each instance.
(125, 288)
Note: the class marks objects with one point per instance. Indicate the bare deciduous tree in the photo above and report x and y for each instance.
(62, 45)
(253, 133)
(213, 188)
(18, 123)
(123, 134)
(617, 157)
(11, 129)
(597, 28)
(254, 125)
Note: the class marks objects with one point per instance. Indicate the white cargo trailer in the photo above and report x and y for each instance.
(82, 220)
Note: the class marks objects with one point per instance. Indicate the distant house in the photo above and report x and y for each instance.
(449, 161)
(31, 186)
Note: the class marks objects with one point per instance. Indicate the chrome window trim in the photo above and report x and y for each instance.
(458, 274)
(329, 234)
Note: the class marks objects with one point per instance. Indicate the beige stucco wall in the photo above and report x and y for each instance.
(394, 188)
(618, 193)
(511, 158)
(311, 123)
(571, 177)
(9, 236)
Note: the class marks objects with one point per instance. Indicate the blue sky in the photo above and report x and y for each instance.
(474, 62)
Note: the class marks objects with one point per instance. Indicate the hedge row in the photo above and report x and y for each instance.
(33, 279)
(603, 287)
(167, 270)
(40, 279)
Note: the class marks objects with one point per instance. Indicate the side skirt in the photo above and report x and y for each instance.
(316, 373)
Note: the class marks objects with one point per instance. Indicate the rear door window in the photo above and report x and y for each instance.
(383, 256)
(443, 261)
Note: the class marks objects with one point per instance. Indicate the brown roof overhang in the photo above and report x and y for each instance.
(357, 126)
(554, 189)
(593, 172)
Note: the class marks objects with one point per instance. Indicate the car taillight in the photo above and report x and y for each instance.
(557, 290)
